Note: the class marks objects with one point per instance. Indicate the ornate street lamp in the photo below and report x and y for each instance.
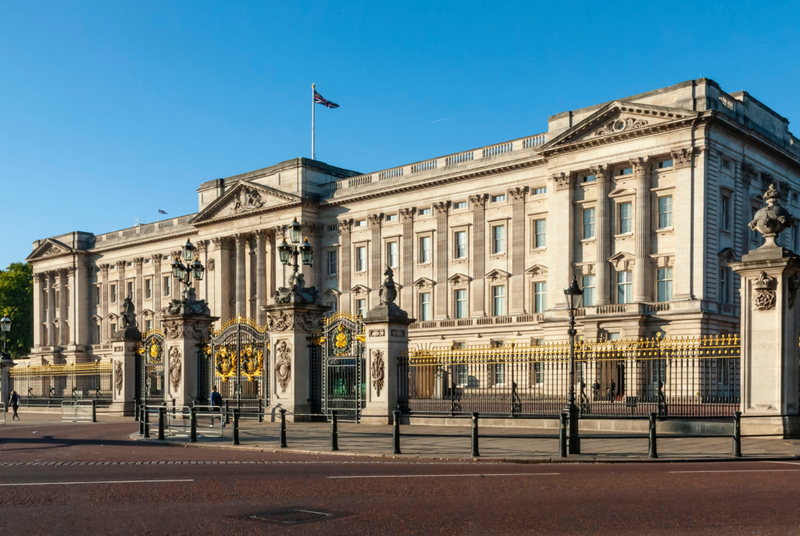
(5, 326)
(184, 269)
(289, 253)
(574, 295)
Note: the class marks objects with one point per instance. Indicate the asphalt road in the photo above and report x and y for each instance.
(92, 479)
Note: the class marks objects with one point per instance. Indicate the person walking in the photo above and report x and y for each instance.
(216, 404)
(13, 401)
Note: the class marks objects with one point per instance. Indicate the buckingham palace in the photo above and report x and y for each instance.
(645, 199)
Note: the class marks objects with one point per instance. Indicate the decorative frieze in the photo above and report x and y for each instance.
(292, 320)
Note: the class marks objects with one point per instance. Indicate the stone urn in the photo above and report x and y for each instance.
(772, 219)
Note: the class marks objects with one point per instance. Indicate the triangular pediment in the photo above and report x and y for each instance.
(49, 248)
(244, 199)
(459, 279)
(622, 261)
(424, 282)
(537, 270)
(497, 274)
(621, 192)
(360, 289)
(618, 118)
(332, 292)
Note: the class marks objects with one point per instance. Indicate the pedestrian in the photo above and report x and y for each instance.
(13, 401)
(216, 405)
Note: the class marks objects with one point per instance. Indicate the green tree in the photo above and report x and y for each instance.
(16, 302)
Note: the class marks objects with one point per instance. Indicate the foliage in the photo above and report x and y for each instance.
(16, 302)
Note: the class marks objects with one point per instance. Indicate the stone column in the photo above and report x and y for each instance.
(123, 367)
(38, 312)
(518, 249)
(261, 275)
(51, 308)
(641, 271)
(560, 257)
(183, 333)
(478, 253)
(222, 284)
(375, 221)
(441, 258)
(158, 283)
(345, 228)
(104, 303)
(63, 322)
(272, 266)
(240, 275)
(684, 222)
(290, 327)
(138, 264)
(407, 272)
(603, 226)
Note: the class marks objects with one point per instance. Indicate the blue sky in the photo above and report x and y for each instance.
(112, 110)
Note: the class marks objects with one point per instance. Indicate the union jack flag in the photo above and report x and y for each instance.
(161, 211)
(319, 99)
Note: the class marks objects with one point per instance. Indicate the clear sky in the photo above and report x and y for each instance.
(110, 111)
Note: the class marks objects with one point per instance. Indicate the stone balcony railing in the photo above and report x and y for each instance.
(441, 165)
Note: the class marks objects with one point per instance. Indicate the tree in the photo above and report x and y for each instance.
(16, 302)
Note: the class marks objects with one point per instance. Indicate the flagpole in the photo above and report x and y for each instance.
(313, 109)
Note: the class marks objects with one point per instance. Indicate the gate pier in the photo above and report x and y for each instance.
(123, 366)
(184, 334)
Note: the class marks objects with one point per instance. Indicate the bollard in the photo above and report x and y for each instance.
(475, 452)
(653, 451)
(193, 425)
(146, 421)
(162, 415)
(136, 410)
(227, 409)
(94, 410)
(562, 436)
(737, 434)
(283, 428)
(260, 410)
(396, 433)
(334, 431)
(235, 426)
(140, 412)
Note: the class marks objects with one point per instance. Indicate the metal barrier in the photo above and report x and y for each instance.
(3, 410)
(210, 421)
(78, 411)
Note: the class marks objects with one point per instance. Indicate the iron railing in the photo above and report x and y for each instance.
(50, 385)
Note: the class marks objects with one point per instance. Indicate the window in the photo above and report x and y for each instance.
(588, 223)
(664, 280)
(538, 373)
(424, 212)
(113, 293)
(461, 303)
(664, 164)
(130, 290)
(724, 285)
(97, 295)
(726, 164)
(625, 171)
(539, 233)
(462, 374)
(498, 198)
(588, 290)
(97, 333)
(588, 178)
(113, 328)
(460, 205)
(332, 305)
(539, 191)
(499, 373)
(361, 223)
(361, 308)
(361, 259)
(391, 254)
(391, 217)
(624, 287)
(425, 306)
(333, 228)
(625, 218)
(167, 286)
(539, 297)
(461, 244)
(424, 249)
(665, 212)
(499, 301)
(333, 262)
(498, 239)
(725, 212)
(148, 325)
(148, 288)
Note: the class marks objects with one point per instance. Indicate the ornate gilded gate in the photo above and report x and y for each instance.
(239, 355)
(150, 382)
(344, 382)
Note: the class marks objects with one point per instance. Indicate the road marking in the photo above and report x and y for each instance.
(96, 482)
(743, 471)
(313, 512)
(787, 463)
(444, 476)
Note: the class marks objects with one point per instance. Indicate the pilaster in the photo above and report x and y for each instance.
(683, 215)
(261, 275)
(641, 270)
(602, 235)
(441, 259)
(240, 240)
(518, 249)
(478, 206)
(345, 229)
(63, 321)
(123, 378)
(407, 273)
(375, 221)
(560, 256)
(38, 311)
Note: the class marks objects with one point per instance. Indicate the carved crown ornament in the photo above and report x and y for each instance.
(764, 292)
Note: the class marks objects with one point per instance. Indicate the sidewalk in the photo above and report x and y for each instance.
(453, 442)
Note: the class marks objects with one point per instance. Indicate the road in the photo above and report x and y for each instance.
(92, 479)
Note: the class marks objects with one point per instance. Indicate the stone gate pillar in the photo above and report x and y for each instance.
(5, 377)
(123, 367)
(387, 340)
(183, 335)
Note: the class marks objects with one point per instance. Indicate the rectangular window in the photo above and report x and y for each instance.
(424, 249)
(130, 290)
(588, 178)
(624, 287)
(588, 223)
(499, 301)
(664, 164)
(539, 233)
(97, 295)
(625, 171)
(538, 373)
(361, 259)
(625, 218)
(462, 374)
(361, 308)
(539, 297)
(724, 294)
(664, 281)
(726, 164)
(333, 228)
(361, 223)
(391, 254)
(97, 333)
(113, 293)
(425, 306)
(498, 239)
(588, 290)
(460, 244)
(113, 328)
(461, 303)
(498, 198)
(424, 212)
(460, 205)
(167, 286)
(148, 288)
(725, 212)
(665, 212)
(148, 325)
(391, 217)
(499, 373)
(539, 191)
(333, 262)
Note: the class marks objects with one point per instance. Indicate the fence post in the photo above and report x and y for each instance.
(475, 452)
(260, 410)
(737, 434)
(227, 409)
(562, 436)
(653, 452)
(193, 425)
(396, 433)
(146, 422)
(334, 431)
(283, 428)
(94, 410)
(235, 426)
(162, 415)
(141, 420)
(136, 410)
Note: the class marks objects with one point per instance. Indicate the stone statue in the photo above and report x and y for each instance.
(388, 292)
(190, 305)
(772, 219)
(298, 292)
(128, 314)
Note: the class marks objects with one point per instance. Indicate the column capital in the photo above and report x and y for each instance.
(241, 238)
(375, 220)
(121, 265)
(601, 172)
(71, 271)
(260, 234)
(441, 208)
(562, 181)
(156, 258)
(639, 165)
(407, 214)
(478, 201)
(104, 268)
(517, 195)
(201, 245)
(138, 262)
(682, 158)
(346, 225)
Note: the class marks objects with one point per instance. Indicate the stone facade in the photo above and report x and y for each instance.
(646, 199)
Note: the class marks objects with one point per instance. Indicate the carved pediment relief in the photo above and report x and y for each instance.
(242, 199)
(49, 248)
(497, 275)
(459, 279)
(622, 261)
(332, 292)
(537, 270)
(424, 283)
(359, 290)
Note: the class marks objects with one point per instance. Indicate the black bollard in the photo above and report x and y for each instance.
(396, 433)
(136, 412)
(283, 428)
(94, 410)
(334, 431)
(235, 426)
(260, 410)
(193, 425)
(162, 416)
(737, 434)
(475, 452)
(227, 409)
(653, 451)
(140, 414)
(562, 436)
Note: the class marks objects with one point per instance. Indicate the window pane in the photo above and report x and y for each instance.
(498, 239)
(425, 306)
(461, 244)
(664, 284)
(540, 297)
(664, 212)
(425, 249)
(588, 223)
(540, 233)
(391, 254)
(588, 290)
(461, 304)
(625, 213)
(361, 258)
(498, 301)
(624, 287)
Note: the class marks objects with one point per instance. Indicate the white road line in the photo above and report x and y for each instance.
(743, 471)
(445, 476)
(96, 482)
(787, 463)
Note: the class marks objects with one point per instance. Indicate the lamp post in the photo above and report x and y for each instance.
(183, 271)
(574, 296)
(291, 251)
(5, 326)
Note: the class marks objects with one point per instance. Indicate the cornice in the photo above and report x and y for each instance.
(154, 240)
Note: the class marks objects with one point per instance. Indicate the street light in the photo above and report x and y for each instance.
(574, 295)
(184, 272)
(5, 326)
(288, 251)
